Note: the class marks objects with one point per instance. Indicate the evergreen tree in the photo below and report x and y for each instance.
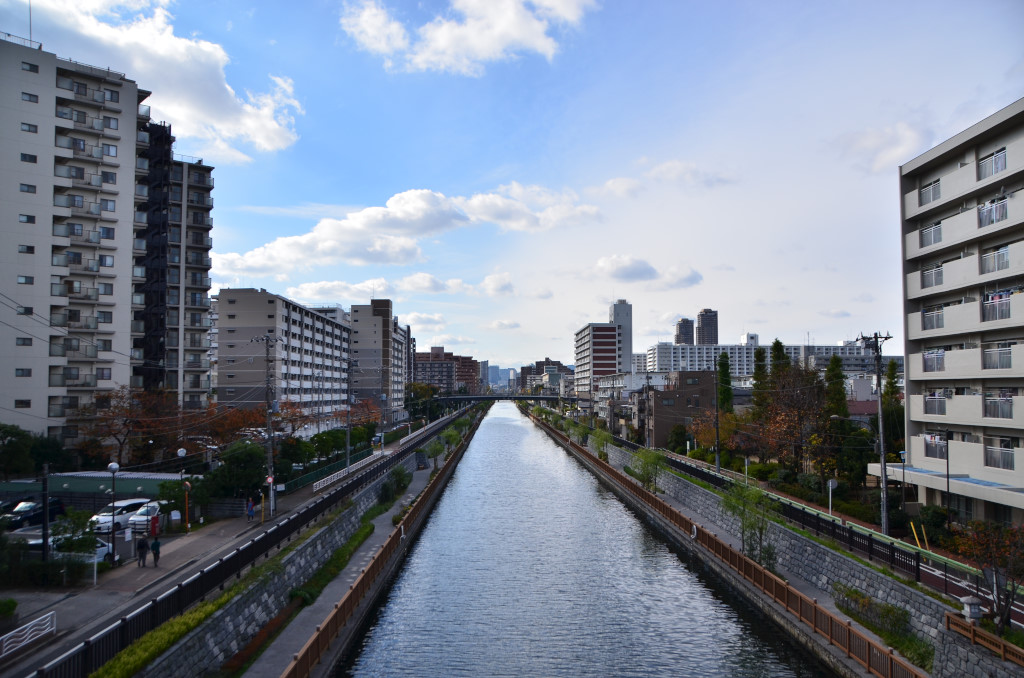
(835, 389)
(761, 399)
(891, 389)
(780, 361)
(724, 383)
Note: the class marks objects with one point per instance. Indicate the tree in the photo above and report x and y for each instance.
(835, 389)
(795, 412)
(893, 412)
(648, 466)
(450, 437)
(752, 508)
(243, 473)
(73, 533)
(724, 383)
(15, 451)
(780, 362)
(600, 441)
(677, 439)
(419, 400)
(891, 394)
(761, 387)
(434, 449)
(47, 450)
(224, 424)
(998, 551)
(114, 418)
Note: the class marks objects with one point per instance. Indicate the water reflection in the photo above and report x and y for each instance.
(528, 566)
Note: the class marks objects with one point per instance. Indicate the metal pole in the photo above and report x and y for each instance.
(875, 342)
(948, 435)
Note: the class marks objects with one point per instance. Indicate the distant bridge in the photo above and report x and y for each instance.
(506, 396)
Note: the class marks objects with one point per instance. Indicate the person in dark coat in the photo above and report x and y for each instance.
(154, 548)
(142, 549)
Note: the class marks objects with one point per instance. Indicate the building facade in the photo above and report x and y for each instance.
(707, 327)
(308, 354)
(106, 242)
(684, 331)
(380, 351)
(962, 217)
(603, 348)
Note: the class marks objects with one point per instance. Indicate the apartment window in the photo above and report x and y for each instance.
(77, 200)
(106, 260)
(928, 193)
(108, 205)
(112, 95)
(102, 374)
(26, 280)
(22, 404)
(23, 341)
(104, 344)
(25, 310)
(27, 218)
(78, 144)
(76, 172)
(231, 301)
(999, 453)
(74, 258)
(931, 276)
(29, 97)
(996, 259)
(31, 68)
(110, 149)
(992, 164)
(109, 122)
(109, 177)
(27, 188)
(29, 157)
(26, 249)
(29, 127)
(107, 232)
(105, 289)
(79, 116)
(104, 316)
(23, 371)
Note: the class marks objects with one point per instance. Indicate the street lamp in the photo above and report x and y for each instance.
(877, 442)
(113, 467)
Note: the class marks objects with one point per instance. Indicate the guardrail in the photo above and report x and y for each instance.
(28, 634)
(335, 477)
(877, 659)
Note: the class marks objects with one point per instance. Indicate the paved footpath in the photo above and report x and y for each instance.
(275, 658)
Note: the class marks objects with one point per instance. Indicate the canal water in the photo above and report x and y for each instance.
(529, 567)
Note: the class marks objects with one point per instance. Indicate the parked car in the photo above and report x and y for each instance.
(31, 513)
(140, 522)
(120, 512)
(100, 551)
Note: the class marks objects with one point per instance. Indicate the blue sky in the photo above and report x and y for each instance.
(504, 169)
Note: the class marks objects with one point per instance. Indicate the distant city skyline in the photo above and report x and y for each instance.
(736, 156)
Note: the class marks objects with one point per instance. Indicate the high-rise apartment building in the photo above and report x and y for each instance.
(684, 331)
(707, 327)
(962, 216)
(105, 243)
(308, 350)
(603, 348)
(380, 351)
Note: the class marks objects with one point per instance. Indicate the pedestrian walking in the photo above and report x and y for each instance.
(142, 550)
(250, 510)
(154, 548)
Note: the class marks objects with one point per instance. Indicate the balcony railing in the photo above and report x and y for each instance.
(201, 200)
(58, 350)
(935, 405)
(997, 309)
(138, 271)
(200, 364)
(931, 320)
(56, 380)
(58, 320)
(81, 381)
(138, 298)
(934, 362)
(142, 137)
(86, 322)
(929, 193)
(931, 277)
(990, 214)
(996, 359)
(999, 407)
(82, 352)
(936, 449)
(58, 260)
(996, 457)
(192, 260)
(135, 381)
(138, 326)
(993, 164)
(995, 261)
(931, 235)
(144, 110)
(55, 411)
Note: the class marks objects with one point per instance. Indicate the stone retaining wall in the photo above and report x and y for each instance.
(230, 628)
(821, 566)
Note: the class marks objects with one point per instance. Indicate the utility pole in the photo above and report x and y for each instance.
(268, 342)
(874, 342)
(647, 417)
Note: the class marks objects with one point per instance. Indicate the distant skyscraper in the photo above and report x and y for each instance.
(684, 331)
(707, 327)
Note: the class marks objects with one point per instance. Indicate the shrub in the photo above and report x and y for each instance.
(7, 607)
(762, 471)
(811, 481)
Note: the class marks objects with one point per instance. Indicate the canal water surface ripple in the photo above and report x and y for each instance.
(529, 567)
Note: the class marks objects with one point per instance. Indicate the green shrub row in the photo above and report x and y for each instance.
(890, 622)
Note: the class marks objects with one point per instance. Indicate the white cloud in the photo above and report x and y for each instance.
(835, 313)
(497, 285)
(423, 322)
(449, 340)
(676, 171)
(194, 96)
(306, 209)
(620, 187)
(336, 290)
(470, 34)
(675, 279)
(430, 284)
(626, 268)
(544, 293)
(503, 325)
(879, 150)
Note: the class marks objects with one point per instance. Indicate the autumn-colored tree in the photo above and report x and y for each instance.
(113, 419)
(796, 412)
(365, 412)
(292, 416)
(223, 424)
(998, 551)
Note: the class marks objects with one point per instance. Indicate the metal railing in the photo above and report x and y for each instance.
(28, 634)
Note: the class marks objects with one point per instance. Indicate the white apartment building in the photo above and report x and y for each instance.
(308, 352)
(962, 216)
(603, 348)
(105, 244)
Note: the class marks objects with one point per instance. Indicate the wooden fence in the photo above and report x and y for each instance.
(1007, 651)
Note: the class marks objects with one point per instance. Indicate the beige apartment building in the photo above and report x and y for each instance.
(308, 354)
(105, 250)
(382, 359)
(962, 215)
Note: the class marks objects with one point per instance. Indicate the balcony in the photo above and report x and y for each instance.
(200, 180)
(142, 137)
(973, 363)
(81, 381)
(86, 322)
(56, 381)
(200, 302)
(55, 411)
(197, 364)
(972, 410)
(89, 266)
(135, 381)
(198, 260)
(58, 320)
(199, 322)
(968, 272)
(139, 246)
(83, 352)
(138, 326)
(963, 227)
(965, 318)
(198, 281)
(998, 457)
(85, 294)
(58, 350)
(139, 272)
(992, 213)
(141, 218)
(144, 110)
(197, 384)
(935, 405)
(138, 299)
(997, 309)
(197, 343)
(200, 200)
(197, 219)
(86, 237)
(197, 240)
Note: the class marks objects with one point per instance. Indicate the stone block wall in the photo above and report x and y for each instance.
(230, 628)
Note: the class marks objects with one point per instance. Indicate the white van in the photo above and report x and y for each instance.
(140, 522)
(119, 512)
